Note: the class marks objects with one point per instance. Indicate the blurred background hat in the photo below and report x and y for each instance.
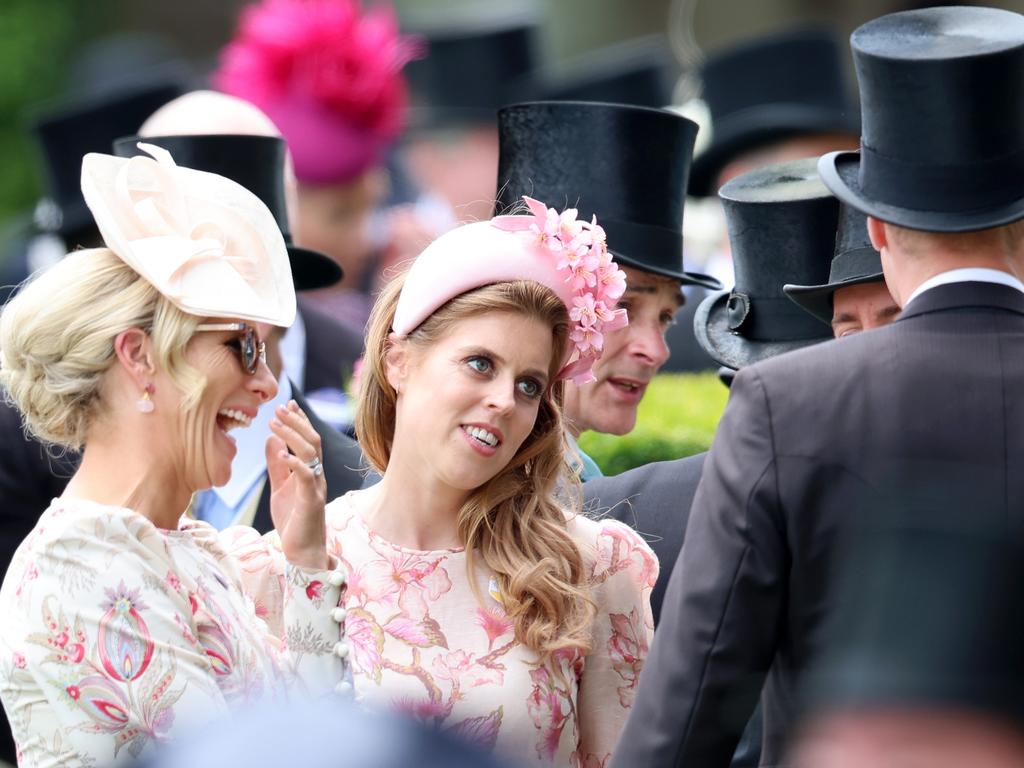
(942, 91)
(638, 73)
(768, 89)
(626, 165)
(257, 163)
(855, 262)
(90, 123)
(478, 59)
(782, 226)
(329, 74)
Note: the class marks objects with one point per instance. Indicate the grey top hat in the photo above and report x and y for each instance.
(855, 262)
(942, 147)
(782, 224)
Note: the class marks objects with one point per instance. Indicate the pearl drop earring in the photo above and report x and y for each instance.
(144, 404)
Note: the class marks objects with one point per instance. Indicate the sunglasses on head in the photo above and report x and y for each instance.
(250, 349)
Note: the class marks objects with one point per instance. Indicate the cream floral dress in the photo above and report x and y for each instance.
(420, 642)
(117, 635)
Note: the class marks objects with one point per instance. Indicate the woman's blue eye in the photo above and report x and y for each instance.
(479, 364)
(529, 387)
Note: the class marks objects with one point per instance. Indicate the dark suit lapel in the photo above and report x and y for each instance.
(967, 295)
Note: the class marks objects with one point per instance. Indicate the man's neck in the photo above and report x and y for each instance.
(905, 274)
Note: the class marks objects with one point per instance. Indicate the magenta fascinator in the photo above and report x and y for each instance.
(328, 75)
(557, 250)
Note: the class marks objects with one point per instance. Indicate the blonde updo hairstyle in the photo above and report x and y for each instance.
(57, 342)
(516, 522)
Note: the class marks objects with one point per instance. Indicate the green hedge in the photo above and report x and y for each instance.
(678, 417)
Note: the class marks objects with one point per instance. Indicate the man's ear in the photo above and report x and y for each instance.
(876, 232)
(396, 362)
(134, 351)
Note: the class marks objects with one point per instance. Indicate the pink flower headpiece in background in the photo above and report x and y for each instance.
(555, 249)
(582, 259)
(328, 75)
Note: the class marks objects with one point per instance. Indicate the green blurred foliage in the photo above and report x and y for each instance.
(38, 37)
(677, 417)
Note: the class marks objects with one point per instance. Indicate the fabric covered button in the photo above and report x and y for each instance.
(341, 649)
(339, 614)
(337, 578)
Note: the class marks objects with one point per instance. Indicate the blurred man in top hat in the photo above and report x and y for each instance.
(628, 165)
(923, 667)
(225, 135)
(477, 60)
(328, 73)
(855, 298)
(812, 439)
(776, 98)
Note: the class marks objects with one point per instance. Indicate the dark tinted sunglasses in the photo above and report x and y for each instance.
(250, 349)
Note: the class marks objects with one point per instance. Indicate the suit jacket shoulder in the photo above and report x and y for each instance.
(332, 349)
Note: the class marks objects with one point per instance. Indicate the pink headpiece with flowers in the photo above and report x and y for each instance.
(555, 249)
(328, 75)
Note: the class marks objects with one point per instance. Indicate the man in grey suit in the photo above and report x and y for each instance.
(922, 418)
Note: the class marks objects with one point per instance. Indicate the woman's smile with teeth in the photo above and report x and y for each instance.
(229, 418)
(481, 434)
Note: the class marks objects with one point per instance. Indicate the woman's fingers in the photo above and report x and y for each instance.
(277, 468)
(292, 426)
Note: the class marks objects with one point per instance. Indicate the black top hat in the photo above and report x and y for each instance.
(626, 165)
(257, 163)
(770, 89)
(930, 620)
(636, 73)
(855, 262)
(782, 226)
(475, 63)
(942, 148)
(89, 124)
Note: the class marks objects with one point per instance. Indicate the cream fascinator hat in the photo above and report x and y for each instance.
(206, 243)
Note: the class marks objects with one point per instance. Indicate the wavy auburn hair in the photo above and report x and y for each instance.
(516, 522)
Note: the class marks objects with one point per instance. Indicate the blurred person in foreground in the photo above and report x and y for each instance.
(480, 600)
(124, 623)
(329, 75)
(322, 734)
(628, 165)
(811, 439)
(923, 667)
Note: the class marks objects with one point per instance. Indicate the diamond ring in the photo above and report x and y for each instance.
(316, 466)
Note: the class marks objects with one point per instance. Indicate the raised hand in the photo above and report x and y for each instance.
(298, 488)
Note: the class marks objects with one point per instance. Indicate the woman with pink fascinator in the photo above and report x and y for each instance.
(479, 599)
(329, 75)
(125, 624)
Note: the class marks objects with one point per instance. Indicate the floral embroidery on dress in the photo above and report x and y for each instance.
(142, 631)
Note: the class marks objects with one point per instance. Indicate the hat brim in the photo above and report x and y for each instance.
(817, 299)
(312, 270)
(687, 278)
(755, 127)
(711, 327)
(839, 171)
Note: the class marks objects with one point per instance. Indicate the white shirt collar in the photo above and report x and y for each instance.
(967, 275)
(250, 461)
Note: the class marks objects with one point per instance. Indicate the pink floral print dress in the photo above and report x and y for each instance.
(420, 641)
(117, 635)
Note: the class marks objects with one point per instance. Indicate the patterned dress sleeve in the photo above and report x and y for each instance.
(298, 606)
(623, 573)
(124, 642)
